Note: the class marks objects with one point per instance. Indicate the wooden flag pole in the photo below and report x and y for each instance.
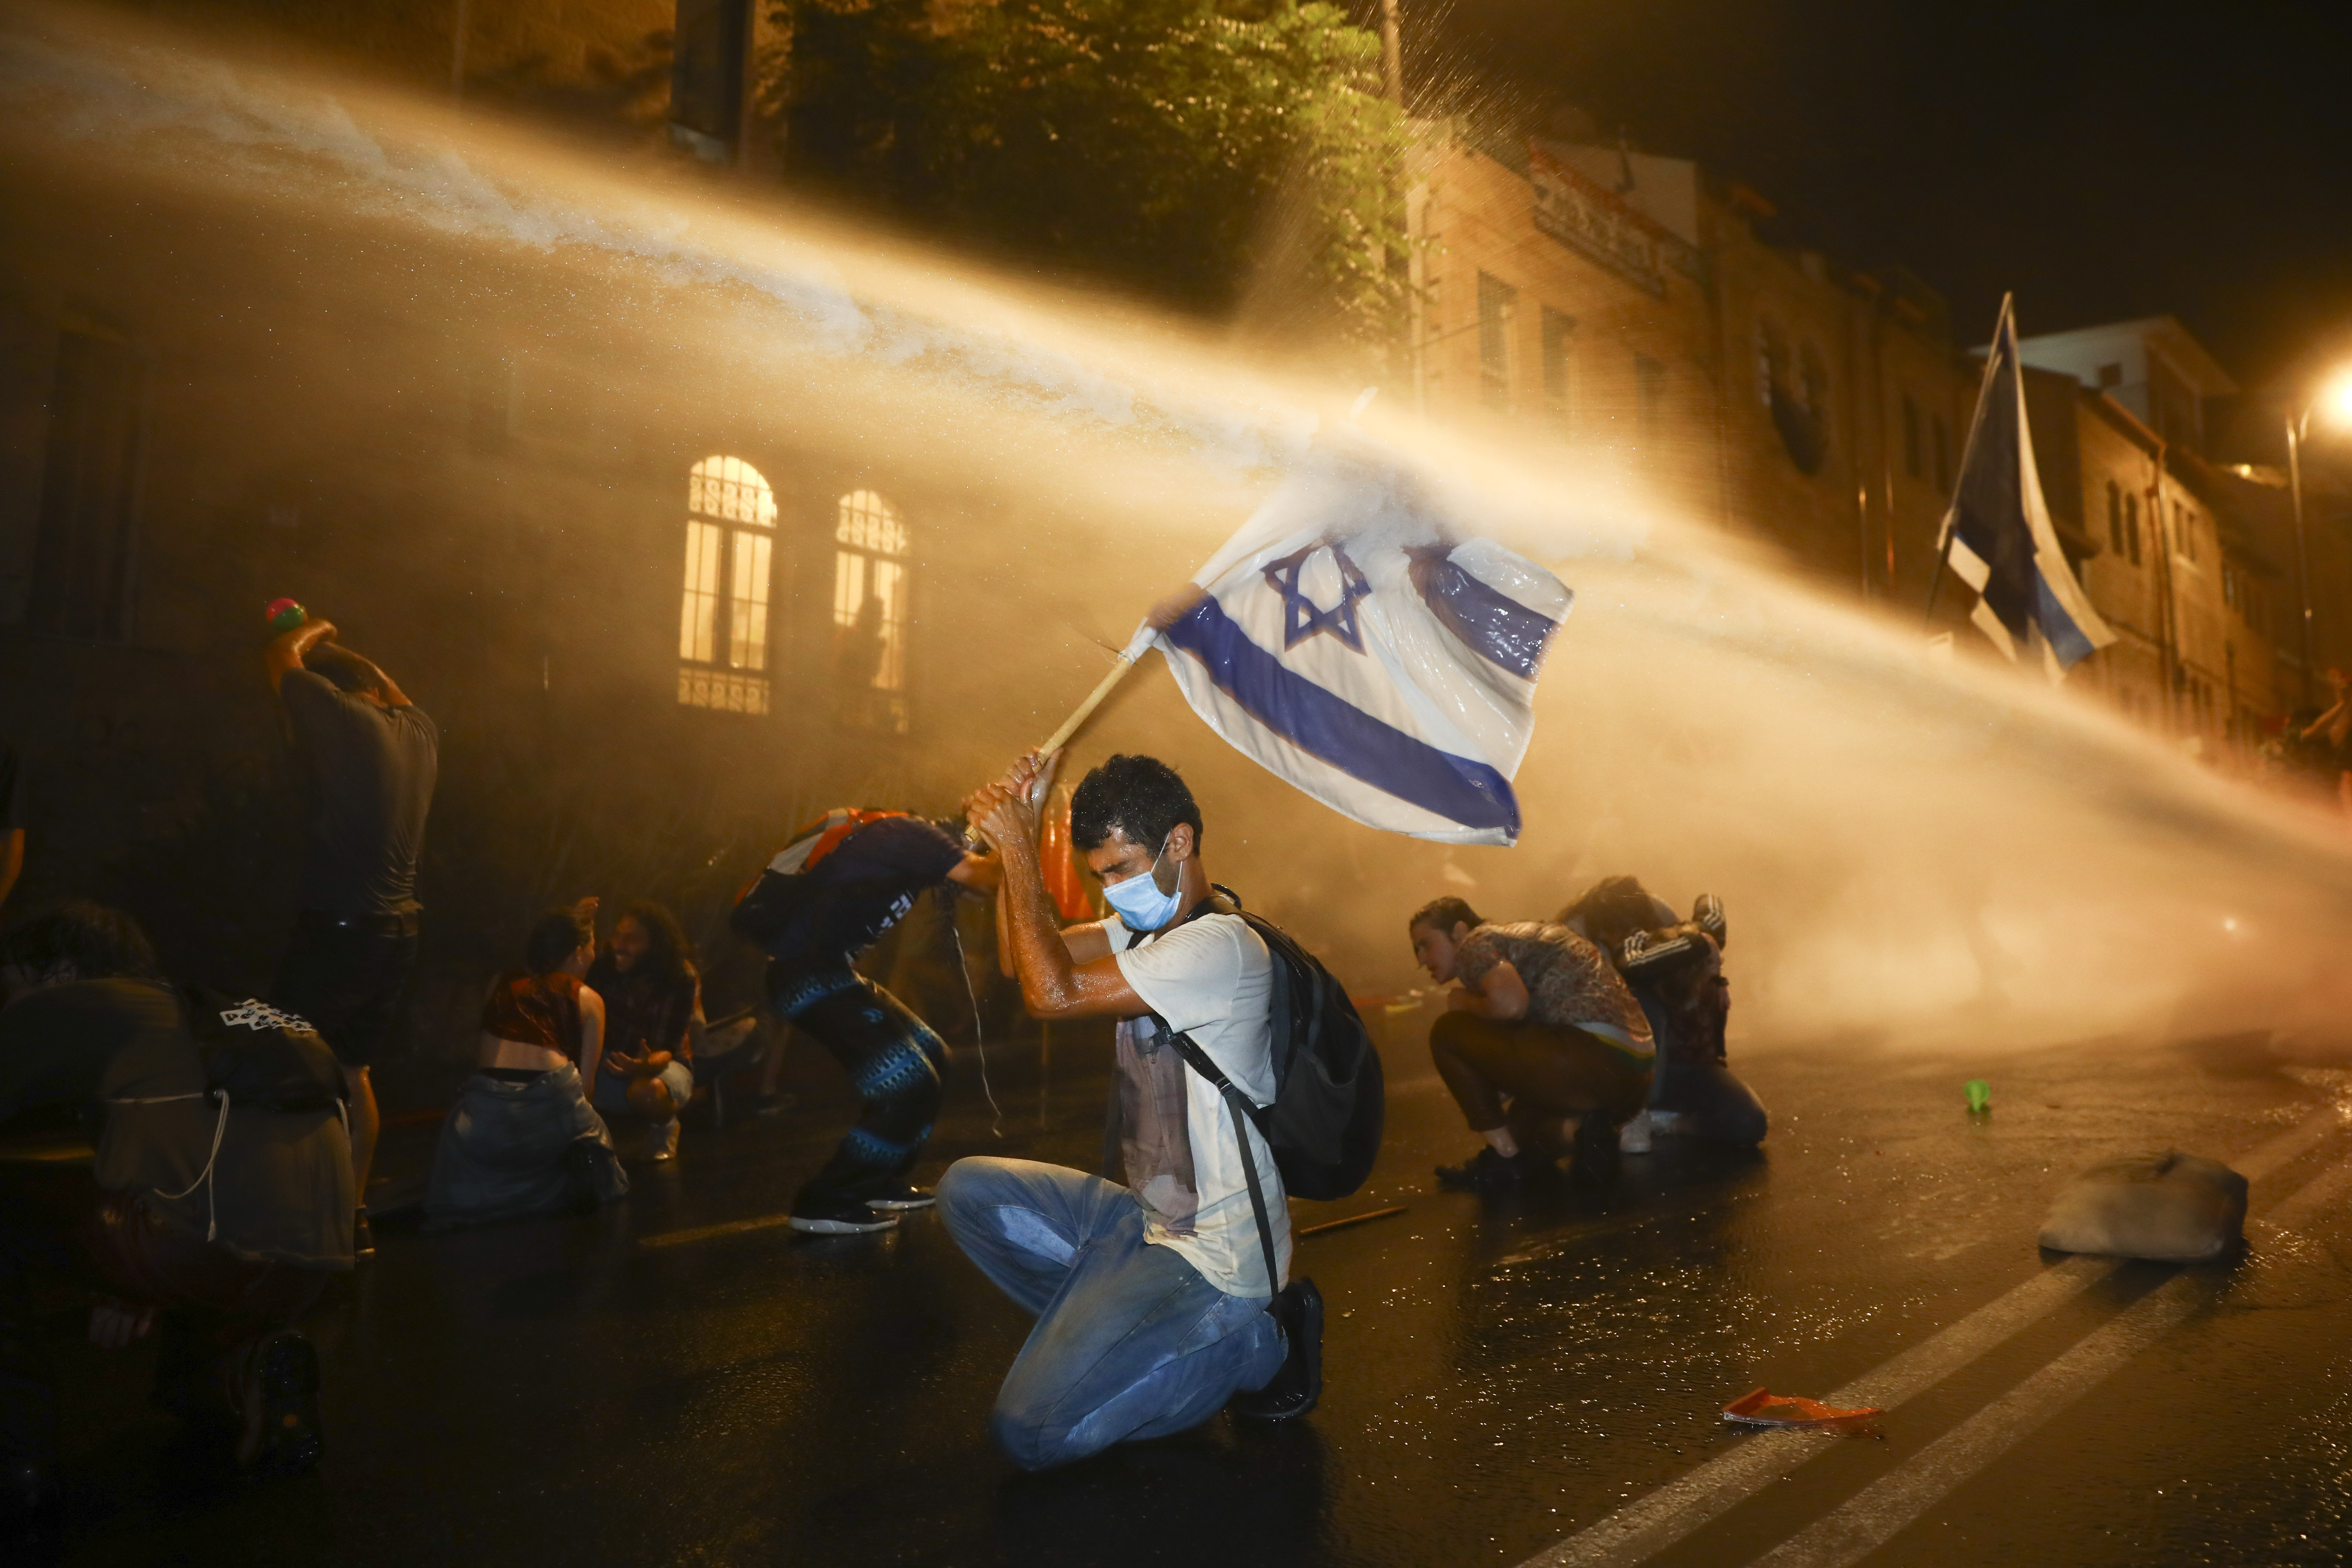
(1086, 709)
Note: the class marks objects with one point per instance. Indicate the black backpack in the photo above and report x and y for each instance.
(260, 1057)
(1330, 1099)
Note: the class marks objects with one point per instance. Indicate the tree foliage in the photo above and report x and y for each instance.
(1156, 143)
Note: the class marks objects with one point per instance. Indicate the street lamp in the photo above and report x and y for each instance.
(2334, 400)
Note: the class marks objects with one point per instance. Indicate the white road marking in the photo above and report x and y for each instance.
(1874, 1516)
(1651, 1523)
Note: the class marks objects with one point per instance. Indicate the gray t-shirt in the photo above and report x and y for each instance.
(372, 773)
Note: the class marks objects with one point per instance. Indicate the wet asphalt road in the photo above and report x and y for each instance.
(639, 1387)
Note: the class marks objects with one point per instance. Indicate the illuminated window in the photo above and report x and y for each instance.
(1558, 342)
(1499, 305)
(722, 618)
(871, 584)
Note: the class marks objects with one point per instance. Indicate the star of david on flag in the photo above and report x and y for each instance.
(1361, 648)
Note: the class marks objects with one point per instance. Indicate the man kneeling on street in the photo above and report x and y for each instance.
(218, 1209)
(1152, 1299)
(1542, 1016)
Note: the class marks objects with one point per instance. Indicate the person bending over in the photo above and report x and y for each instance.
(1540, 1018)
(1152, 1298)
(653, 1010)
(1675, 968)
(372, 756)
(523, 1139)
(218, 1221)
(824, 899)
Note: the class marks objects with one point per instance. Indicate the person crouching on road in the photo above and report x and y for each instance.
(523, 1139)
(1542, 1016)
(653, 1012)
(826, 898)
(1152, 1298)
(224, 1221)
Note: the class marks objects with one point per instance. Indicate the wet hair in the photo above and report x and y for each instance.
(348, 671)
(556, 935)
(1442, 915)
(1612, 909)
(669, 953)
(1139, 796)
(101, 942)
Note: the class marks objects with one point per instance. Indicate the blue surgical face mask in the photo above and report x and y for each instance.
(1140, 903)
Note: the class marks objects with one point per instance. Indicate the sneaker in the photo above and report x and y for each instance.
(1665, 1123)
(661, 1141)
(1634, 1137)
(1594, 1161)
(1707, 915)
(828, 1214)
(894, 1194)
(362, 1237)
(1488, 1172)
(1298, 1384)
(278, 1400)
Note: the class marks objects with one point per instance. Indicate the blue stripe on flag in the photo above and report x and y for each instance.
(2058, 628)
(1327, 726)
(1493, 624)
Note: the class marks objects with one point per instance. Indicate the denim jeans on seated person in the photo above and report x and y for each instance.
(1130, 1341)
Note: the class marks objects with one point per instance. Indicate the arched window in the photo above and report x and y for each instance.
(870, 612)
(722, 618)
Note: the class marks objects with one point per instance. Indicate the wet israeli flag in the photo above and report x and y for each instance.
(1998, 537)
(1357, 646)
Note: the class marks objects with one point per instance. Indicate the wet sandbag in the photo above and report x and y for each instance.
(2169, 1207)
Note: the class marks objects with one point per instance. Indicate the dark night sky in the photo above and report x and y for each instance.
(2103, 160)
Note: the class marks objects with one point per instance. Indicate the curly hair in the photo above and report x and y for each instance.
(1139, 796)
(669, 953)
(1612, 909)
(100, 941)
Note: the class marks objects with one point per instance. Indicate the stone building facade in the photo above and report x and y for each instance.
(1637, 310)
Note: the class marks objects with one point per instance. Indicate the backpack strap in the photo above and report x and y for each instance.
(1240, 1106)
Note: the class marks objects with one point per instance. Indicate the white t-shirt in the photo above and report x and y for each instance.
(1212, 979)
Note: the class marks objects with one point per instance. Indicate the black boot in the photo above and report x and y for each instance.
(1298, 1384)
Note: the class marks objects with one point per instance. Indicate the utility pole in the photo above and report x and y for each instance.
(1392, 52)
(2295, 427)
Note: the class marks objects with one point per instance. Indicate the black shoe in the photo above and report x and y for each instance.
(1298, 1384)
(1707, 915)
(834, 1214)
(279, 1396)
(894, 1194)
(362, 1237)
(1489, 1172)
(1596, 1161)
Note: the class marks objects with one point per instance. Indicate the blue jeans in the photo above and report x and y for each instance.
(1130, 1341)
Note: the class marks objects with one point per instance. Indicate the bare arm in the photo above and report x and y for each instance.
(284, 654)
(591, 1037)
(1499, 994)
(1055, 981)
(980, 873)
